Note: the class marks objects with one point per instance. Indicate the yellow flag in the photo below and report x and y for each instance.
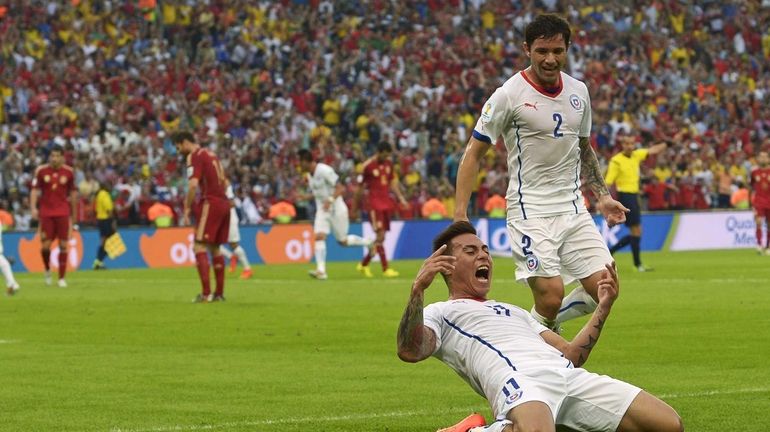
(114, 246)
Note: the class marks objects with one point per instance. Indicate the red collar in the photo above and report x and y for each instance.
(542, 90)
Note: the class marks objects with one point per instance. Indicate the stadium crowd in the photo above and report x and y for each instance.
(110, 80)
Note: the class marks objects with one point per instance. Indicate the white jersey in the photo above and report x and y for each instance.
(511, 341)
(541, 133)
(323, 182)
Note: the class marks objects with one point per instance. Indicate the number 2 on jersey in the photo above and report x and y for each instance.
(557, 119)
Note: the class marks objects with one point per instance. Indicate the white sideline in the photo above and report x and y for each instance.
(312, 420)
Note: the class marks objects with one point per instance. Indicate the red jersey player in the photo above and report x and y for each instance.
(204, 172)
(54, 185)
(760, 198)
(379, 179)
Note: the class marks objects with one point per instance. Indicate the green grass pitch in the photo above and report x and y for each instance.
(127, 351)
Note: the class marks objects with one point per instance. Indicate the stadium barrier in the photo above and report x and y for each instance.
(293, 243)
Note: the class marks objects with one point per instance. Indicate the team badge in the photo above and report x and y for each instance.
(487, 112)
(513, 397)
(47, 178)
(63, 179)
(574, 100)
(532, 263)
(376, 172)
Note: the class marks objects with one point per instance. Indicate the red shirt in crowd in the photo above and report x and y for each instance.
(656, 196)
(377, 177)
(203, 164)
(760, 184)
(55, 185)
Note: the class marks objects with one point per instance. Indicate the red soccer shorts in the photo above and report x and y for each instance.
(214, 223)
(55, 227)
(380, 219)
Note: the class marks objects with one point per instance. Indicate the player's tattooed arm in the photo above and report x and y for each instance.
(415, 341)
(586, 341)
(590, 169)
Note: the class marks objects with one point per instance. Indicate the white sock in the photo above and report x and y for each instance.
(576, 304)
(242, 258)
(320, 255)
(551, 324)
(497, 426)
(5, 267)
(354, 240)
(225, 252)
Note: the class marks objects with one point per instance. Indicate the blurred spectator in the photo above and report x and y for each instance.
(160, 214)
(282, 212)
(740, 197)
(495, 206)
(434, 209)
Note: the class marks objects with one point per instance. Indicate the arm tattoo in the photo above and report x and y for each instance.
(590, 169)
(409, 330)
(593, 337)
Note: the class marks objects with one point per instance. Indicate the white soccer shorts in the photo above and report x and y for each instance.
(567, 245)
(335, 220)
(578, 399)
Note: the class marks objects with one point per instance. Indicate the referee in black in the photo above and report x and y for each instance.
(623, 172)
(104, 208)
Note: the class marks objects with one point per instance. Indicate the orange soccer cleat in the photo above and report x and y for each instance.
(246, 274)
(466, 424)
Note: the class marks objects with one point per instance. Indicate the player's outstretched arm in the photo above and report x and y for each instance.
(417, 342)
(466, 176)
(578, 350)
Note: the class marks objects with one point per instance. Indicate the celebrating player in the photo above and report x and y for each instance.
(379, 179)
(331, 212)
(760, 199)
(544, 117)
(238, 254)
(531, 376)
(54, 189)
(204, 172)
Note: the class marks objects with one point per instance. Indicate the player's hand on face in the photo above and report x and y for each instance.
(613, 211)
(436, 263)
(609, 287)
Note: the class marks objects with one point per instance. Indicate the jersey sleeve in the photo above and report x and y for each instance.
(641, 154)
(492, 120)
(431, 317)
(536, 326)
(330, 177)
(194, 166)
(585, 124)
(37, 181)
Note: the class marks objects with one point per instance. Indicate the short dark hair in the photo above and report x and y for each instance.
(445, 237)
(57, 149)
(547, 26)
(305, 155)
(180, 136)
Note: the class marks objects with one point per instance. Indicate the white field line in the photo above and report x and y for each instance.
(8, 341)
(394, 414)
